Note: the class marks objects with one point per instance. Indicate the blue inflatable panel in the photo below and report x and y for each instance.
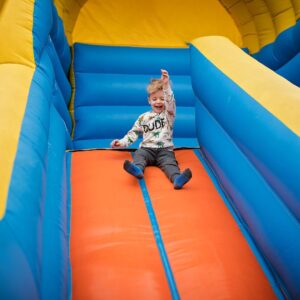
(46, 69)
(28, 184)
(282, 55)
(114, 122)
(273, 227)
(260, 135)
(110, 92)
(105, 143)
(55, 259)
(285, 47)
(290, 70)
(245, 144)
(42, 16)
(94, 89)
(35, 186)
(34, 243)
(62, 109)
(266, 56)
(60, 76)
(60, 41)
(130, 60)
(17, 281)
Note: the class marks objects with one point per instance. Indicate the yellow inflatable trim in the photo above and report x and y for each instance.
(276, 94)
(16, 32)
(16, 71)
(15, 82)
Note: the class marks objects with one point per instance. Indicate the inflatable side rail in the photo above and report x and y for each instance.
(34, 92)
(282, 50)
(248, 125)
(283, 56)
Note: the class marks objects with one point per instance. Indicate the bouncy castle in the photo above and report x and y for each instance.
(73, 77)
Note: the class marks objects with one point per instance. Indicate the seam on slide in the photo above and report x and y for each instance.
(261, 260)
(159, 240)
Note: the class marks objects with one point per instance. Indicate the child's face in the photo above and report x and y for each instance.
(156, 100)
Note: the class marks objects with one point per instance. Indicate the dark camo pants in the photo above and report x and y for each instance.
(160, 157)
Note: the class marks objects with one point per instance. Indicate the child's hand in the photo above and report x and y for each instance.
(165, 78)
(116, 144)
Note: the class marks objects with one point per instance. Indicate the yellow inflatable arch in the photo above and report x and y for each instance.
(250, 24)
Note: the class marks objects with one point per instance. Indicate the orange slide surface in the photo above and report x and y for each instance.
(113, 251)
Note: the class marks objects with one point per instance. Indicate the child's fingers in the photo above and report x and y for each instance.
(164, 72)
(164, 76)
(115, 143)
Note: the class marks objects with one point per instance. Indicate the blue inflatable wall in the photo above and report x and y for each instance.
(110, 92)
(244, 143)
(283, 55)
(34, 232)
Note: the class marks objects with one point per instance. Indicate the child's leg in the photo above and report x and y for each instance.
(141, 159)
(182, 179)
(144, 157)
(167, 162)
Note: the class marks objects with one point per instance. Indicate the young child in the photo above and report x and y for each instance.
(156, 149)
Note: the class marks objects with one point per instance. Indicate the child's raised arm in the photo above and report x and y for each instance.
(165, 78)
(168, 93)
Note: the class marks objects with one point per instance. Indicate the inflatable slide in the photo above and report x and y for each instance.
(74, 225)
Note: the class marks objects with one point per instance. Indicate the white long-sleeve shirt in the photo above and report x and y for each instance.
(156, 128)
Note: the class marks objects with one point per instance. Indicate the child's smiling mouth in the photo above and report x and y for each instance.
(159, 106)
